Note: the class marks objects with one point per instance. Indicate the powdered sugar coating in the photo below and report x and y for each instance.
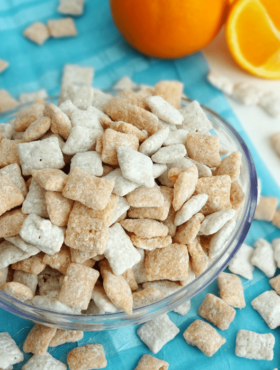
(255, 346)
(10, 354)
(81, 139)
(169, 154)
(35, 201)
(90, 356)
(89, 162)
(195, 119)
(190, 208)
(214, 222)
(46, 361)
(241, 263)
(268, 306)
(10, 254)
(154, 142)
(220, 238)
(163, 110)
(263, 257)
(122, 185)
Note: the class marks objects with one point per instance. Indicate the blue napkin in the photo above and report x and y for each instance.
(100, 45)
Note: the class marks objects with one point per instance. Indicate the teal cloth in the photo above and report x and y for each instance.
(100, 45)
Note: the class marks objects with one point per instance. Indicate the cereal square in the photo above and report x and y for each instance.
(190, 208)
(204, 149)
(33, 265)
(41, 233)
(62, 27)
(230, 166)
(199, 259)
(32, 96)
(78, 285)
(9, 152)
(28, 114)
(275, 283)
(170, 263)
(119, 251)
(241, 263)
(204, 336)
(60, 260)
(145, 228)
(58, 208)
(38, 339)
(146, 296)
(90, 356)
(266, 208)
(149, 362)
(30, 249)
(157, 332)
(122, 185)
(11, 223)
(231, 290)
(75, 74)
(163, 110)
(195, 119)
(30, 280)
(14, 173)
(50, 179)
(89, 190)
(102, 301)
(184, 187)
(50, 302)
(79, 94)
(170, 91)
(218, 190)
(39, 155)
(268, 305)
(263, 257)
(46, 361)
(37, 32)
(35, 201)
(88, 162)
(73, 7)
(217, 311)
(10, 196)
(187, 232)
(66, 336)
(17, 290)
(254, 346)
(37, 129)
(10, 354)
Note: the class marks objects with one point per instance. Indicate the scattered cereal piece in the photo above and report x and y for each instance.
(26, 115)
(183, 309)
(10, 354)
(33, 265)
(7, 101)
(62, 27)
(220, 82)
(11, 223)
(237, 195)
(204, 336)
(217, 311)
(145, 228)
(169, 154)
(37, 129)
(138, 117)
(91, 356)
(60, 260)
(230, 166)
(204, 149)
(119, 251)
(37, 32)
(220, 238)
(30, 249)
(3, 65)
(46, 361)
(275, 283)
(77, 286)
(146, 297)
(58, 208)
(38, 339)
(157, 332)
(102, 301)
(246, 93)
(86, 234)
(127, 128)
(218, 190)
(254, 346)
(163, 110)
(66, 336)
(170, 263)
(231, 290)
(195, 119)
(170, 91)
(35, 201)
(89, 190)
(30, 280)
(268, 304)
(199, 259)
(158, 213)
(190, 208)
(73, 7)
(31, 96)
(145, 197)
(263, 257)
(241, 263)
(6, 130)
(187, 232)
(116, 288)
(10, 196)
(154, 142)
(184, 187)
(270, 103)
(149, 362)
(135, 166)
(41, 233)
(38, 155)
(151, 243)
(266, 208)
(17, 291)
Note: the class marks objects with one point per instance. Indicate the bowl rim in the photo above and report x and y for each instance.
(248, 210)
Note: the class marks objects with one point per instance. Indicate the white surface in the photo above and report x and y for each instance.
(258, 125)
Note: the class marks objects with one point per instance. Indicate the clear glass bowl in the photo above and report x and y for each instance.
(248, 179)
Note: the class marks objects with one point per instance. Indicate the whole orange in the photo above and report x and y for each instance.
(169, 28)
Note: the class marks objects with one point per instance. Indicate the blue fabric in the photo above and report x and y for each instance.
(100, 45)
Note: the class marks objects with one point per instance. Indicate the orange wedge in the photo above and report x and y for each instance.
(253, 36)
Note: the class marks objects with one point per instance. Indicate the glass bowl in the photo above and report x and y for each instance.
(230, 138)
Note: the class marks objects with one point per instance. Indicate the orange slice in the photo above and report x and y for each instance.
(253, 36)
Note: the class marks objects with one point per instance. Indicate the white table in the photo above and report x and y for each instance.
(258, 125)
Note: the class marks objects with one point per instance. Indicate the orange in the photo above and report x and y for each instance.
(169, 28)
(253, 36)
